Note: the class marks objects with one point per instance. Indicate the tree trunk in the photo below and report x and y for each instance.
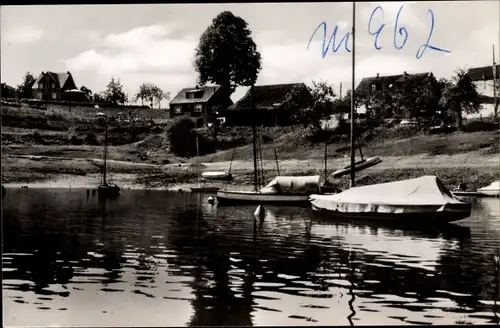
(458, 120)
(142, 101)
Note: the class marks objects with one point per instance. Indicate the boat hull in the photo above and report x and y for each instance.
(242, 197)
(357, 167)
(421, 214)
(204, 189)
(217, 176)
(108, 190)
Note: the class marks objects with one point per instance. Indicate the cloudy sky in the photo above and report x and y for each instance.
(155, 43)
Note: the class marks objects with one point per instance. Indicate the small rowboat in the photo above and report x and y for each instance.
(361, 165)
(493, 190)
(204, 189)
(217, 175)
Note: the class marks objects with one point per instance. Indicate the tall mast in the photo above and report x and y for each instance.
(352, 93)
(254, 137)
(105, 151)
(340, 96)
(495, 101)
(326, 159)
(197, 153)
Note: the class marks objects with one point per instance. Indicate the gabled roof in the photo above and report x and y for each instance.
(208, 92)
(386, 81)
(268, 96)
(484, 73)
(59, 78)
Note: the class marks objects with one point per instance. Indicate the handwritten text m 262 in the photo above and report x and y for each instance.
(400, 35)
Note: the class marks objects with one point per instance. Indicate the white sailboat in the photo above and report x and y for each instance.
(199, 187)
(106, 188)
(413, 200)
(293, 190)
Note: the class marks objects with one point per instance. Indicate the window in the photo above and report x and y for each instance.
(374, 87)
(54, 96)
(53, 85)
(198, 108)
(40, 86)
(177, 109)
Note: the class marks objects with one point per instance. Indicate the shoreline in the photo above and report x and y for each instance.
(475, 169)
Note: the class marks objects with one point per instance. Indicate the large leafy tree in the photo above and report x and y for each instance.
(24, 89)
(460, 95)
(114, 93)
(226, 54)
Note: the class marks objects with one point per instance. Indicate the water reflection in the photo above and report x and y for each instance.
(181, 261)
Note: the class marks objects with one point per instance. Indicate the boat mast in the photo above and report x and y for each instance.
(105, 151)
(197, 153)
(495, 101)
(326, 156)
(254, 137)
(352, 94)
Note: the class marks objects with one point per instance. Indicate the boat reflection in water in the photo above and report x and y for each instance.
(179, 260)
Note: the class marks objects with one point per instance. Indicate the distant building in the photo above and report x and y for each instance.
(51, 86)
(373, 84)
(266, 106)
(201, 103)
(483, 78)
(7, 92)
(392, 83)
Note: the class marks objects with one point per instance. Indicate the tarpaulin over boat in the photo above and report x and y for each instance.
(292, 185)
(422, 194)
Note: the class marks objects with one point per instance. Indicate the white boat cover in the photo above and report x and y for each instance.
(296, 185)
(495, 186)
(397, 197)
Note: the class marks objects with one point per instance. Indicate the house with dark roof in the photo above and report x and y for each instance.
(51, 86)
(389, 85)
(269, 104)
(373, 84)
(483, 73)
(200, 102)
(483, 79)
(7, 92)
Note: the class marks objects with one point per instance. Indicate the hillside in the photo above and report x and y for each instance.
(66, 141)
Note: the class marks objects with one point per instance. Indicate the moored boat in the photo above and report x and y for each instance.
(493, 190)
(106, 188)
(360, 165)
(204, 189)
(217, 175)
(420, 199)
(292, 190)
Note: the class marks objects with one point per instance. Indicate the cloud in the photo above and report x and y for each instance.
(22, 35)
(141, 50)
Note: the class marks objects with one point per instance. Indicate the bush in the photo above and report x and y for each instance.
(477, 125)
(91, 139)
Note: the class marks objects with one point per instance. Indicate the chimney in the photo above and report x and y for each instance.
(405, 73)
(378, 75)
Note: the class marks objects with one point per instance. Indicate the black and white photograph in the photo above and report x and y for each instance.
(250, 164)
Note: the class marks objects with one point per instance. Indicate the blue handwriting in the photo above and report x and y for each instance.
(400, 35)
(331, 41)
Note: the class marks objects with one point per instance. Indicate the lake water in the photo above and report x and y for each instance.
(153, 258)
